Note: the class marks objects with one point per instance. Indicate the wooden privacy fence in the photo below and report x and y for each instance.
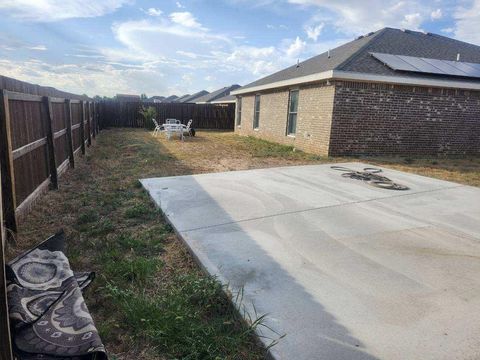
(205, 116)
(41, 130)
(39, 136)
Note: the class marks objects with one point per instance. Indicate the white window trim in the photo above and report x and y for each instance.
(239, 112)
(288, 112)
(255, 111)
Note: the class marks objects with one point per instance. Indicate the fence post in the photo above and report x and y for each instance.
(6, 165)
(5, 344)
(82, 127)
(94, 123)
(52, 163)
(68, 120)
(98, 109)
(89, 123)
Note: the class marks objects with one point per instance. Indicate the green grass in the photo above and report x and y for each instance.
(192, 319)
(266, 149)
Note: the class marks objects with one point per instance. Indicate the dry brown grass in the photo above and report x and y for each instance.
(100, 204)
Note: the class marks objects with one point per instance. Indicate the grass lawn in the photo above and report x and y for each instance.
(150, 300)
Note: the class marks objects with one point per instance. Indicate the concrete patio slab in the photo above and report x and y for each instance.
(344, 269)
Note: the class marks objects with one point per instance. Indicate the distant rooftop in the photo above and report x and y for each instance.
(217, 94)
(195, 96)
(127, 97)
(225, 100)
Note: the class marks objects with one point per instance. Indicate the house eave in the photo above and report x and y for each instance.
(223, 102)
(364, 77)
(325, 75)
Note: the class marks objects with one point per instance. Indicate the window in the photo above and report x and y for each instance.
(256, 116)
(239, 111)
(292, 113)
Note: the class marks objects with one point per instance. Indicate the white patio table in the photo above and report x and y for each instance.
(173, 127)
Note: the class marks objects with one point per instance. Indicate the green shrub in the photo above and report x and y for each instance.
(148, 114)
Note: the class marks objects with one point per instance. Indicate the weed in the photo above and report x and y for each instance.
(87, 216)
(139, 210)
(101, 228)
(138, 269)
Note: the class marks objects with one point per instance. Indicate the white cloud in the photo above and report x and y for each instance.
(259, 61)
(296, 48)
(187, 79)
(179, 5)
(467, 20)
(54, 10)
(37, 47)
(187, 54)
(353, 17)
(186, 19)
(92, 78)
(436, 14)
(412, 21)
(313, 32)
(154, 12)
(277, 27)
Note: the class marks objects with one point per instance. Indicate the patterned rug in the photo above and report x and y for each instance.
(48, 315)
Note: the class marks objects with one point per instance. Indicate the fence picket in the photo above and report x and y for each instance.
(6, 165)
(68, 117)
(52, 163)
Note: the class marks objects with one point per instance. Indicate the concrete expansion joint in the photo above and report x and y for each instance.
(320, 207)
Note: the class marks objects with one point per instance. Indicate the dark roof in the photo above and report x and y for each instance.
(181, 98)
(217, 94)
(192, 98)
(355, 56)
(225, 99)
(127, 97)
(171, 98)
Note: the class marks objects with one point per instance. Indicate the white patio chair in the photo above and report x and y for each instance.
(187, 128)
(157, 127)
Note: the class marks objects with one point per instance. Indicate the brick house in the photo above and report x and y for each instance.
(391, 92)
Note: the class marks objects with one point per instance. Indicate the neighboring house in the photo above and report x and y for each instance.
(360, 99)
(156, 99)
(229, 99)
(127, 98)
(192, 98)
(217, 94)
(181, 98)
(170, 99)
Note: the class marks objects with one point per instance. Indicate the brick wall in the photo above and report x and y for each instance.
(384, 119)
(315, 107)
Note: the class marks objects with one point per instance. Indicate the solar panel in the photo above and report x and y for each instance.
(421, 65)
(394, 62)
(429, 66)
(445, 67)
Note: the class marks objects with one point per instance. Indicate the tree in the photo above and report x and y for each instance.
(143, 97)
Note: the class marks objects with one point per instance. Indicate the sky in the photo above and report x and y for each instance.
(181, 47)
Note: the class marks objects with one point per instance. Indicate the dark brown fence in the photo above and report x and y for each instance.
(41, 130)
(205, 116)
(39, 136)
